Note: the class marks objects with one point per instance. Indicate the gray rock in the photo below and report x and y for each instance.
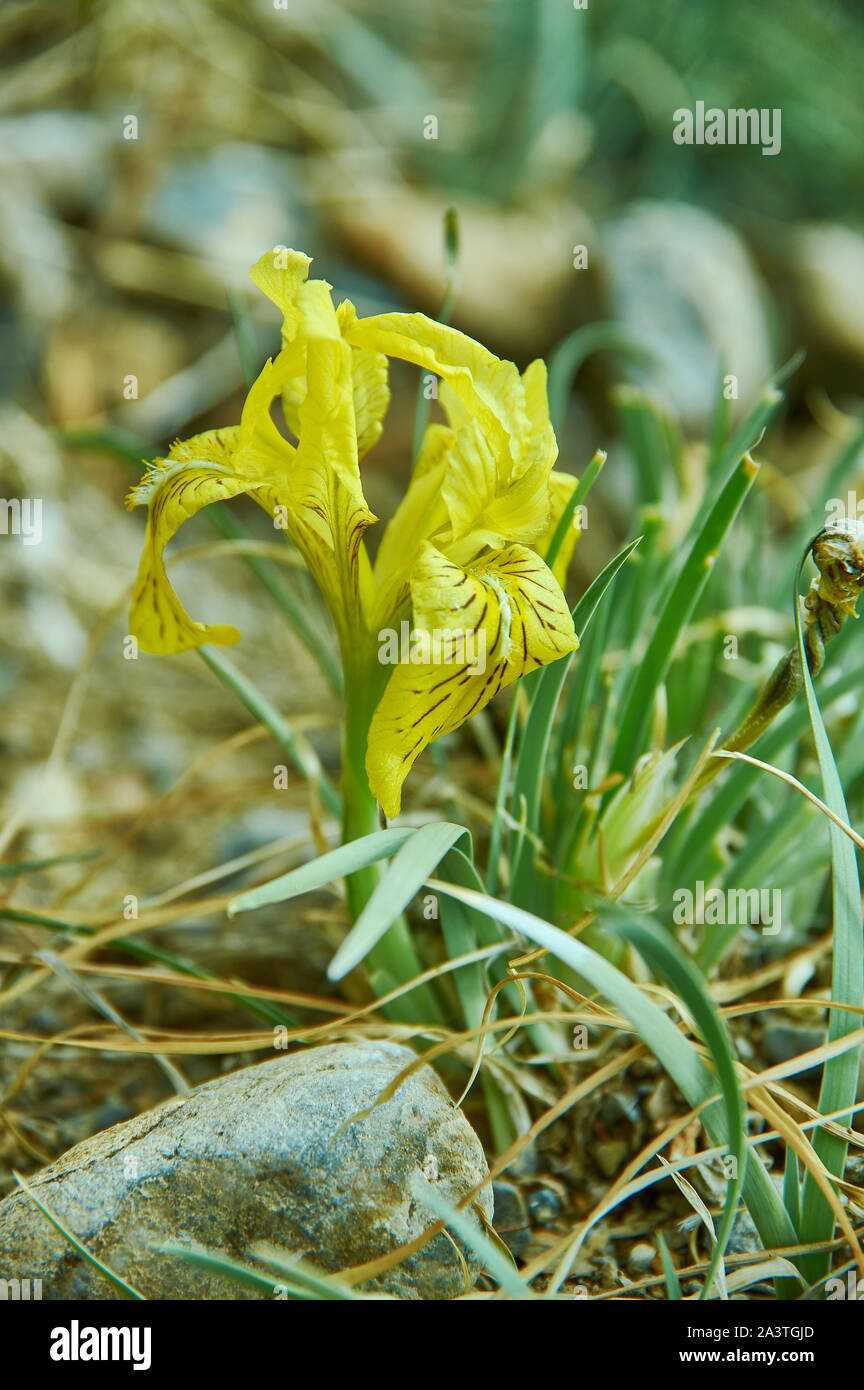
(543, 1205)
(270, 1153)
(511, 1216)
(684, 283)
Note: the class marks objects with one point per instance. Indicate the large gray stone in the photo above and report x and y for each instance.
(270, 1153)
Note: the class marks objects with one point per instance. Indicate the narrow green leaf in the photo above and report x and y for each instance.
(568, 356)
(674, 1052)
(339, 863)
(670, 1273)
(297, 1281)
(840, 1074)
(125, 1290)
(576, 498)
(501, 1268)
(674, 615)
(667, 959)
(32, 866)
(141, 950)
(302, 756)
(537, 733)
(397, 887)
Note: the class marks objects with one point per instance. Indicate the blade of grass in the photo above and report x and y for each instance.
(567, 357)
(301, 754)
(577, 497)
(119, 1285)
(537, 733)
(675, 1053)
(840, 1074)
(501, 1267)
(297, 1281)
(259, 1008)
(339, 863)
(397, 887)
(676, 611)
(666, 958)
(670, 1273)
(502, 796)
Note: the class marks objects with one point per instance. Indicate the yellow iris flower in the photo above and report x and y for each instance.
(460, 556)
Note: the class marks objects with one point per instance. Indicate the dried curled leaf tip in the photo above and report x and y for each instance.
(838, 553)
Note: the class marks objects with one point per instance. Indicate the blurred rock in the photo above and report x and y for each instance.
(641, 1258)
(683, 282)
(544, 1205)
(516, 275)
(827, 267)
(511, 1216)
(610, 1155)
(227, 206)
(269, 1153)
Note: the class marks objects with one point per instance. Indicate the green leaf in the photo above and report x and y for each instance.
(297, 1280)
(667, 959)
(578, 495)
(571, 352)
(670, 1273)
(674, 1052)
(397, 887)
(674, 615)
(339, 863)
(537, 733)
(502, 1268)
(840, 1074)
(301, 755)
(260, 1008)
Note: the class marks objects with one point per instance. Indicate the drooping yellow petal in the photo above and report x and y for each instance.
(475, 631)
(489, 388)
(195, 473)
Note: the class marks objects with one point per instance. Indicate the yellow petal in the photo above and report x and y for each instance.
(420, 515)
(313, 491)
(561, 489)
(281, 274)
(307, 313)
(492, 624)
(486, 386)
(194, 474)
(369, 378)
(484, 510)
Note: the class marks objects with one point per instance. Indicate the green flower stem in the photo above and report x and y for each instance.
(393, 961)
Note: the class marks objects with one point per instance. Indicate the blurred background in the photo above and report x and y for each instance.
(151, 151)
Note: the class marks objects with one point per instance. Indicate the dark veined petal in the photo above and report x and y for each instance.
(475, 631)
